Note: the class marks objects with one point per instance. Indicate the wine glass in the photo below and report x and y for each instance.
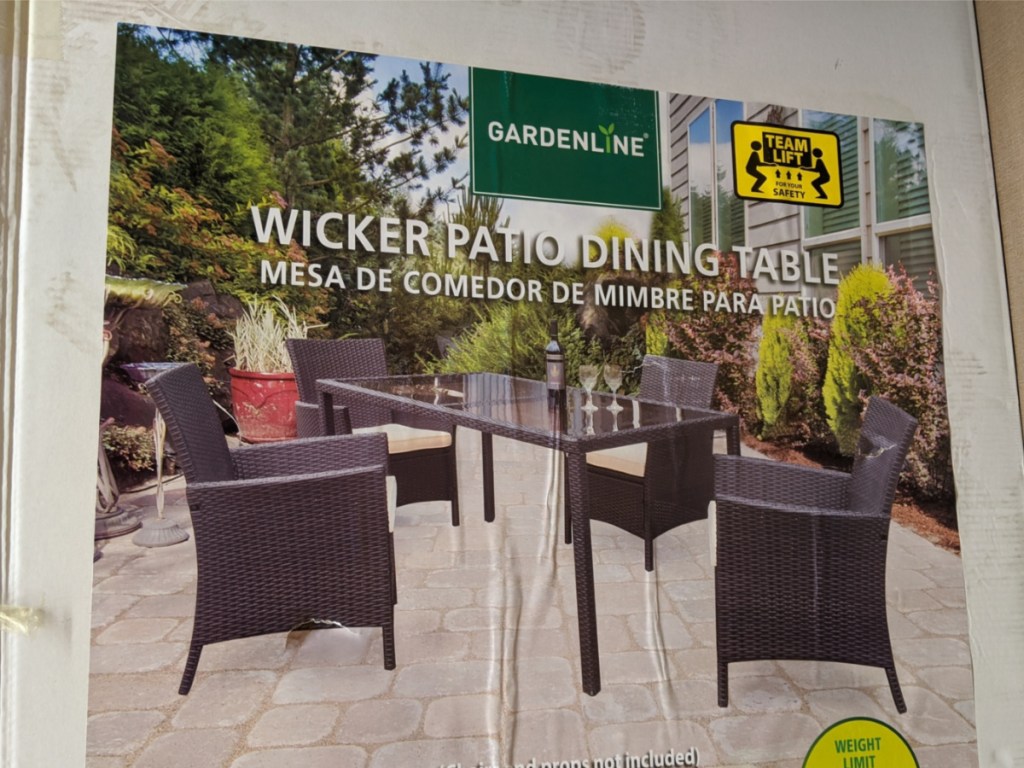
(613, 378)
(588, 378)
(588, 425)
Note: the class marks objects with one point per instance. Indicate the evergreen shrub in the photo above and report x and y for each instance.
(792, 358)
(856, 315)
(774, 376)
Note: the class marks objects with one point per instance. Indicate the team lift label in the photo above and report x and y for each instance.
(786, 165)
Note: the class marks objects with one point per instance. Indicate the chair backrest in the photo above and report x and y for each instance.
(192, 424)
(314, 359)
(885, 438)
(683, 382)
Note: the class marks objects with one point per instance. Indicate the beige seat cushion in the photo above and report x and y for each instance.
(402, 439)
(625, 459)
(713, 532)
(392, 485)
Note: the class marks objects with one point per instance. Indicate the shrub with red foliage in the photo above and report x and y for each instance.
(903, 363)
(726, 338)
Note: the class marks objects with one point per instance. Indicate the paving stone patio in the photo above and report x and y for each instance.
(488, 657)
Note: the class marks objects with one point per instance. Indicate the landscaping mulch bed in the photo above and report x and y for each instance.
(935, 522)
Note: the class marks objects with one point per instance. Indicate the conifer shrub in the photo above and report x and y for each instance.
(774, 376)
(791, 364)
(656, 333)
(857, 315)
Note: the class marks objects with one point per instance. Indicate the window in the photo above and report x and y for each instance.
(716, 215)
(901, 177)
(902, 210)
(886, 218)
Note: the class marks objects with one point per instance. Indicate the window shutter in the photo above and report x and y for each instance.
(916, 252)
(825, 221)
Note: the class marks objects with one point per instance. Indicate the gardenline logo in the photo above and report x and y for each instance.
(564, 138)
(545, 138)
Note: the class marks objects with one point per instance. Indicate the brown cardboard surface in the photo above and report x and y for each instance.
(1000, 29)
(915, 61)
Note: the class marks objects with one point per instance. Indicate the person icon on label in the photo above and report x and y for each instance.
(823, 175)
(753, 163)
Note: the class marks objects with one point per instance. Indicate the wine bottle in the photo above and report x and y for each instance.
(554, 358)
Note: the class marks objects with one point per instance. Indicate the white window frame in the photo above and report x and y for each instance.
(880, 230)
(711, 108)
(871, 232)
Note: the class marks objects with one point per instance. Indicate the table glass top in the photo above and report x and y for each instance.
(524, 402)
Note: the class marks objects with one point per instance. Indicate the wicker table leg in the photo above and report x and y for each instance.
(487, 453)
(576, 469)
(453, 474)
(567, 495)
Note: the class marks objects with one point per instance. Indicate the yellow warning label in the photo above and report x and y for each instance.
(786, 165)
(860, 743)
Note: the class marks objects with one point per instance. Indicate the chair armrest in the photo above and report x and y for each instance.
(732, 505)
(292, 518)
(310, 421)
(777, 484)
(309, 455)
(218, 488)
(744, 524)
(754, 539)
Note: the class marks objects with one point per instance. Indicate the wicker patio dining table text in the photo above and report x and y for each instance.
(516, 408)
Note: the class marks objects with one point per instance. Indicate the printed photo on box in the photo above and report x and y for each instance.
(455, 416)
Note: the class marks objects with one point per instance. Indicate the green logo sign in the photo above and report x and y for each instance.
(544, 138)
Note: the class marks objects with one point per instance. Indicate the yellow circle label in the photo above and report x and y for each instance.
(860, 743)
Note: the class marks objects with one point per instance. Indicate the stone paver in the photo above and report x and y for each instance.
(106, 608)
(299, 724)
(133, 691)
(306, 757)
(621, 704)
(136, 631)
(434, 752)
(835, 704)
(119, 733)
(446, 678)
(549, 735)
(763, 694)
(225, 699)
(211, 748)
(303, 686)
(380, 721)
(458, 716)
(541, 683)
(147, 657)
(764, 738)
(488, 670)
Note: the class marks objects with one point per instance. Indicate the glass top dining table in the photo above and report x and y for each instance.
(517, 408)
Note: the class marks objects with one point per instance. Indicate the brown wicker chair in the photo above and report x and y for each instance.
(800, 555)
(421, 451)
(650, 489)
(286, 533)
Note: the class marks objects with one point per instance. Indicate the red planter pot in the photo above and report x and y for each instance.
(264, 405)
